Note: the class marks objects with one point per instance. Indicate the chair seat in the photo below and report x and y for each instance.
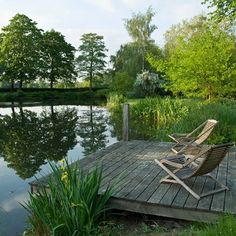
(196, 137)
(182, 167)
(184, 172)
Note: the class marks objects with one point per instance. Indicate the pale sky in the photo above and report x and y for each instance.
(105, 17)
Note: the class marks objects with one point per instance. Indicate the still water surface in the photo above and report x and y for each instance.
(30, 136)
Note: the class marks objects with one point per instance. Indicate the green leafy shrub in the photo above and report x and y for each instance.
(70, 204)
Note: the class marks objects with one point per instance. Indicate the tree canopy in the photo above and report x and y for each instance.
(224, 9)
(201, 63)
(59, 56)
(21, 50)
(140, 29)
(91, 60)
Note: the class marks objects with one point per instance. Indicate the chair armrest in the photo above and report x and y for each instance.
(171, 163)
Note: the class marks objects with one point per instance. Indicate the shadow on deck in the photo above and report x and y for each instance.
(132, 165)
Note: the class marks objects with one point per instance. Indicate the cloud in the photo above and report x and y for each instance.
(12, 203)
(106, 5)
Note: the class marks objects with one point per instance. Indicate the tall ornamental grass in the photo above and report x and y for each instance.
(70, 204)
(154, 118)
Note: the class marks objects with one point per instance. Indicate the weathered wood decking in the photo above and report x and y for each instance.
(132, 165)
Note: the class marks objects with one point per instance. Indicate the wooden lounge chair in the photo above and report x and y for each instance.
(191, 139)
(180, 168)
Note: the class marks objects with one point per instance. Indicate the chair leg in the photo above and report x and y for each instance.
(223, 187)
(178, 180)
(217, 181)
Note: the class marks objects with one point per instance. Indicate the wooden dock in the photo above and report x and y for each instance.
(132, 165)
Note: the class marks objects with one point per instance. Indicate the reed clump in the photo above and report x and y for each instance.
(69, 204)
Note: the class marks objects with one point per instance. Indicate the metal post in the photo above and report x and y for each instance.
(125, 122)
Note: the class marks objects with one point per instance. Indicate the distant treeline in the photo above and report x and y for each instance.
(62, 90)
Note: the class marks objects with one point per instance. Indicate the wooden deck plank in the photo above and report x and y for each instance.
(141, 187)
(205, 203)
(113, 156)
(192, 202)
(230, 196)
(170, 195)
(182, 195)
(134, 178)
(132, 165)
(119, 167)
(218, 200)
(147, 193)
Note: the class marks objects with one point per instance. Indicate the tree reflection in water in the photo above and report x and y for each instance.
(92, 130)
(28, 140)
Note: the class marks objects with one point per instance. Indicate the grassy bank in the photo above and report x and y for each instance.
(154, 118)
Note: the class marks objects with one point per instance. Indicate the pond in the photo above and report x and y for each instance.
(33, 135)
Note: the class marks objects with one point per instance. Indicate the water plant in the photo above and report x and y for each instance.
(69, 204)
(154, 118)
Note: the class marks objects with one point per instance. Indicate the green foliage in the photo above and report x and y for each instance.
(115, 100)
(82, 97)
(225, 226)
(49, 135)
(91, 61)
(157, 117)
(21, 51)
(122, 83)
(129, 59)
(59, 57)
(92, 130)
(223, 9)
(70, 205)
(200, 62)
(140, 29)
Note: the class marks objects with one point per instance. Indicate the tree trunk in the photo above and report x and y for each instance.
(13, 110)
(90, 81)
(92, 127)
(22, 114)
(21, 83)
(12, 84)
(51, 84)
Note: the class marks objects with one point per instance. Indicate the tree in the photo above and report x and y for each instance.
(92, 130)
(92, 54)
(127, 63)
(29, 139)
(59, 57)
(20, 50)
(202, 64)
(140, 29)
(224, 9)
(121, 83)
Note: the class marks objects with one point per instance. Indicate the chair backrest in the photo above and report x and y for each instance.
(211, 158)
(206, 131)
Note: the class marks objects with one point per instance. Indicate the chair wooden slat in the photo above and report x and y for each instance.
(187, 168)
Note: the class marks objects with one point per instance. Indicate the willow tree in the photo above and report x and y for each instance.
(21, 51)
(91, 60)
(139, 28)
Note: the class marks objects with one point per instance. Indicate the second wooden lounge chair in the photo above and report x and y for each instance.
(191, 139)
(180, 168)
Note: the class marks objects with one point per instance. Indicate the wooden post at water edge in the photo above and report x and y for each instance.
(125, 122)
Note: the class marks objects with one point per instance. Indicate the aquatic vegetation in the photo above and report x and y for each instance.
(154, 118)
(70, 204)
